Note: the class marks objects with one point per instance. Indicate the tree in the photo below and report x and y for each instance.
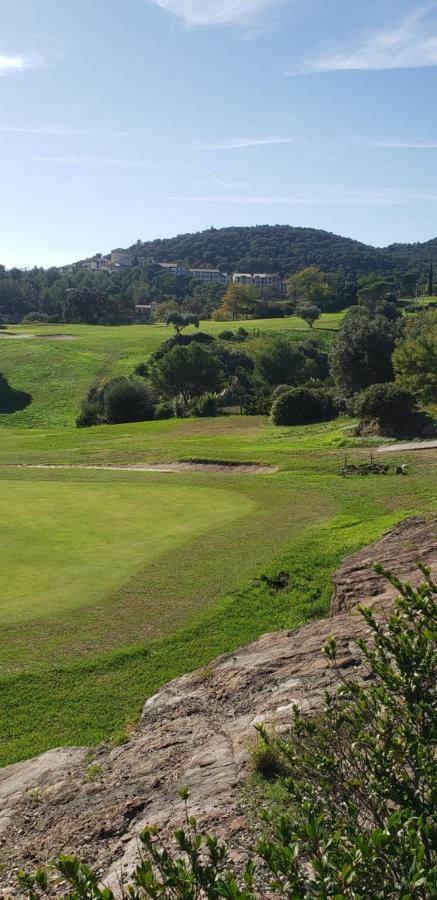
(357, 818)
(281, 362)
(389, 403)
(373, 288)
(303, 283)
(308, 312)
(362, 351)
(239, 300)
(181, 320)
(186, 371)
(415, 357)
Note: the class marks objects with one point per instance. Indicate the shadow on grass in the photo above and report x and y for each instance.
(12, 400)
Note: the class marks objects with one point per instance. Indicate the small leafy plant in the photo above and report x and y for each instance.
(359, 781)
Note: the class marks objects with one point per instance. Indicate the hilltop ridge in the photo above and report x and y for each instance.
(285, 249)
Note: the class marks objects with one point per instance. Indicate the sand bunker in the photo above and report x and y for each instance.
(25, 336)
(222, 467)
(11, 336)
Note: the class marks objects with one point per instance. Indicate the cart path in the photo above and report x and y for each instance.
(408, 445)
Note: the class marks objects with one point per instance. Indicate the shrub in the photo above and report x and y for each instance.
(127, 400)
(302, 405)
(267, 759)
(164, 410)
(226, 335)
(359, 792)
(206, 405)
(119, 400)
(279, 390)
(388, 402)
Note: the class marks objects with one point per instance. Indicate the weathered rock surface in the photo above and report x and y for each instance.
(193, 733)
(398, 550)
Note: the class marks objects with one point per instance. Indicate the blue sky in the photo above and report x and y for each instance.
(146, 118)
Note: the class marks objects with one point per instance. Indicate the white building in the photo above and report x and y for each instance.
(209, 276)
(261, 280)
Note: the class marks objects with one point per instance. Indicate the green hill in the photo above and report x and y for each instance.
(285, 249)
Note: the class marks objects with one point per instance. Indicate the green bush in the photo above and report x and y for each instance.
(127, 400)
(164, 410)
(206, 405)
(119, 400)
(391, 404)
(359, 789)
(302, 405)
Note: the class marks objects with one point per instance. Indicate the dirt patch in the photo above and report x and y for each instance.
(223, 468)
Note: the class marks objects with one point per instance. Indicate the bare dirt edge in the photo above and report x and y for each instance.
(220, 468)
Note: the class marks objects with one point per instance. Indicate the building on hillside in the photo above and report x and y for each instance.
(173, 268)
(261, 280)
(122, 257)
(144, 313)
(209, 276)
(244, 278)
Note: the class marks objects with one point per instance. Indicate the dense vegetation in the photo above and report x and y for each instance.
(110, 298)
(286, 249)
(359, 787)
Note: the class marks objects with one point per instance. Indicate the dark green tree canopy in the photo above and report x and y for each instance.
(362, 351)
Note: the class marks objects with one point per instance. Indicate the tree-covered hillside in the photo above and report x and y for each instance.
(285, 249)
(268, 248)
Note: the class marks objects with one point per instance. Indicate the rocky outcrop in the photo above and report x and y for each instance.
(413, 540)
(193, 733)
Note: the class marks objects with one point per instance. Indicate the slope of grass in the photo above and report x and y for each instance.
(57, 372)
(81, 674)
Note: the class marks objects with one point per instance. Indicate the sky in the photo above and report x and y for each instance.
(148, 118)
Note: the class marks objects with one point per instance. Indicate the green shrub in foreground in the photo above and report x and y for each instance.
(302, 405)
(361, 787)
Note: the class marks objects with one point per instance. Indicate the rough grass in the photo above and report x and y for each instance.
(81, 674)
(58, 373)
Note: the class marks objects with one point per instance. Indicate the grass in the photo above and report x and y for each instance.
(57, 373)
(162, 571)
(115, 582)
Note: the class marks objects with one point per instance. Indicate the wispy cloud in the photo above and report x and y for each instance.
(410, 44)
(215, 12)
(236, 143)
(18, 63)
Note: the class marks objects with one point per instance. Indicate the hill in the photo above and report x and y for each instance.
(286, 249)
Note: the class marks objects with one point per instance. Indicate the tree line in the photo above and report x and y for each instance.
(102, 298)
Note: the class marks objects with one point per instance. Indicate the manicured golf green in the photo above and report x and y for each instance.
(67, 544)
